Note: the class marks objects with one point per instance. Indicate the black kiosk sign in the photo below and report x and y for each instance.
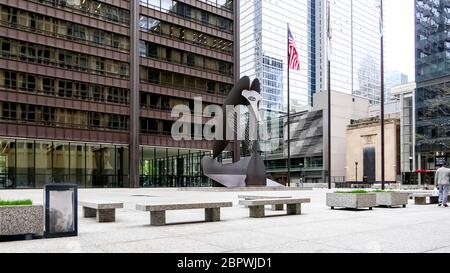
(61, 210)
(440, 161)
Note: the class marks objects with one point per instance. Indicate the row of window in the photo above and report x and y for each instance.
(42, 54)
(175, 80)
(85, 91)
(163, 102)
(191, 13)
(63, 88)
(51, 116)
(155, 26)
(92, 8)
(226, 4)
(164, 127)
(68, 30)
(152, 50)
(156, 127)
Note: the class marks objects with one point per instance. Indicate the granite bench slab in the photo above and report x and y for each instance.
(104, 211)
(274, 207)
(158, 211)
(256, 207)
(253, 197)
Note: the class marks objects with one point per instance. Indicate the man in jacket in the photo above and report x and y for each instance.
(442, 180)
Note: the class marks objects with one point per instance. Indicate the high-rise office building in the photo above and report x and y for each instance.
(264, 37)
(263, 55)
(432, 98)
(355, 66)
(392, 79)
(87, 88)
(355, 47)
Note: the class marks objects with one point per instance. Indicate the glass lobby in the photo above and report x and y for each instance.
(27, 163)
(171, 167)
(33, 163)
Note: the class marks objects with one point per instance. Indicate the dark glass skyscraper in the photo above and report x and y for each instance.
(87, 88)
(433, 82)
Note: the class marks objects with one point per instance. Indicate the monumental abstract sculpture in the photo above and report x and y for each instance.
(250, 171)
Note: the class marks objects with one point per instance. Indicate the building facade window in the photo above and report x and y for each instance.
(191, 13)
(148, 24)
(45, 115)
(62, 88)
(152, 50)
(63, 58)
(175, 80)
(64, 29)
(92, 8)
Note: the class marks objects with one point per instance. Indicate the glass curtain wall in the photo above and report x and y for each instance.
(32, 164)
(171, 167)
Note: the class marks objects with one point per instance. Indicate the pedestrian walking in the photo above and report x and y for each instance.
(442, 181)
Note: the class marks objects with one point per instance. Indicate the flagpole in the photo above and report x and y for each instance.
(329, 93)
(382, 100)
(288, 111)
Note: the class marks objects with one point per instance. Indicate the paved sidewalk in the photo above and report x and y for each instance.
(319, 229)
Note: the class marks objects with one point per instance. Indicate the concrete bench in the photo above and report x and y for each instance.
(421, 199)
(412, 192)
(105, 211)
(158, 211)
(256, 197)
(256, 207)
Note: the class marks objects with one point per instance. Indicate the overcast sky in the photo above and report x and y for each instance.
(399, 39)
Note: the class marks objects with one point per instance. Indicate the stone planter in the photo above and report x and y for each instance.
(22, 220)
(351, 200)
(392, 199)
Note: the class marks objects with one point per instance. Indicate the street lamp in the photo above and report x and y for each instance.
(301, 165)
(356, 169)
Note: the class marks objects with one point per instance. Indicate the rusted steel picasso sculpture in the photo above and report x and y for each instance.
(249, 171)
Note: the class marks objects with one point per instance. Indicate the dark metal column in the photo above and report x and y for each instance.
(329, 123)
(236, 70)
(134, 94)
(329, 92)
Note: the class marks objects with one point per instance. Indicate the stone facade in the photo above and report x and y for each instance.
(363, 134)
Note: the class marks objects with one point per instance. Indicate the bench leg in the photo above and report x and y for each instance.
(106, 215)
(434, 199)
(420, 200)
(158, 218)
(294, 209)
(257, 211)
(212, 215)
(89, 213)
(278, 207)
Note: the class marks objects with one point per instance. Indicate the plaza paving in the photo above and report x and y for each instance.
(318, 229)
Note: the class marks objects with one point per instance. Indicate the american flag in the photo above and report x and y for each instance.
(294, 62)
